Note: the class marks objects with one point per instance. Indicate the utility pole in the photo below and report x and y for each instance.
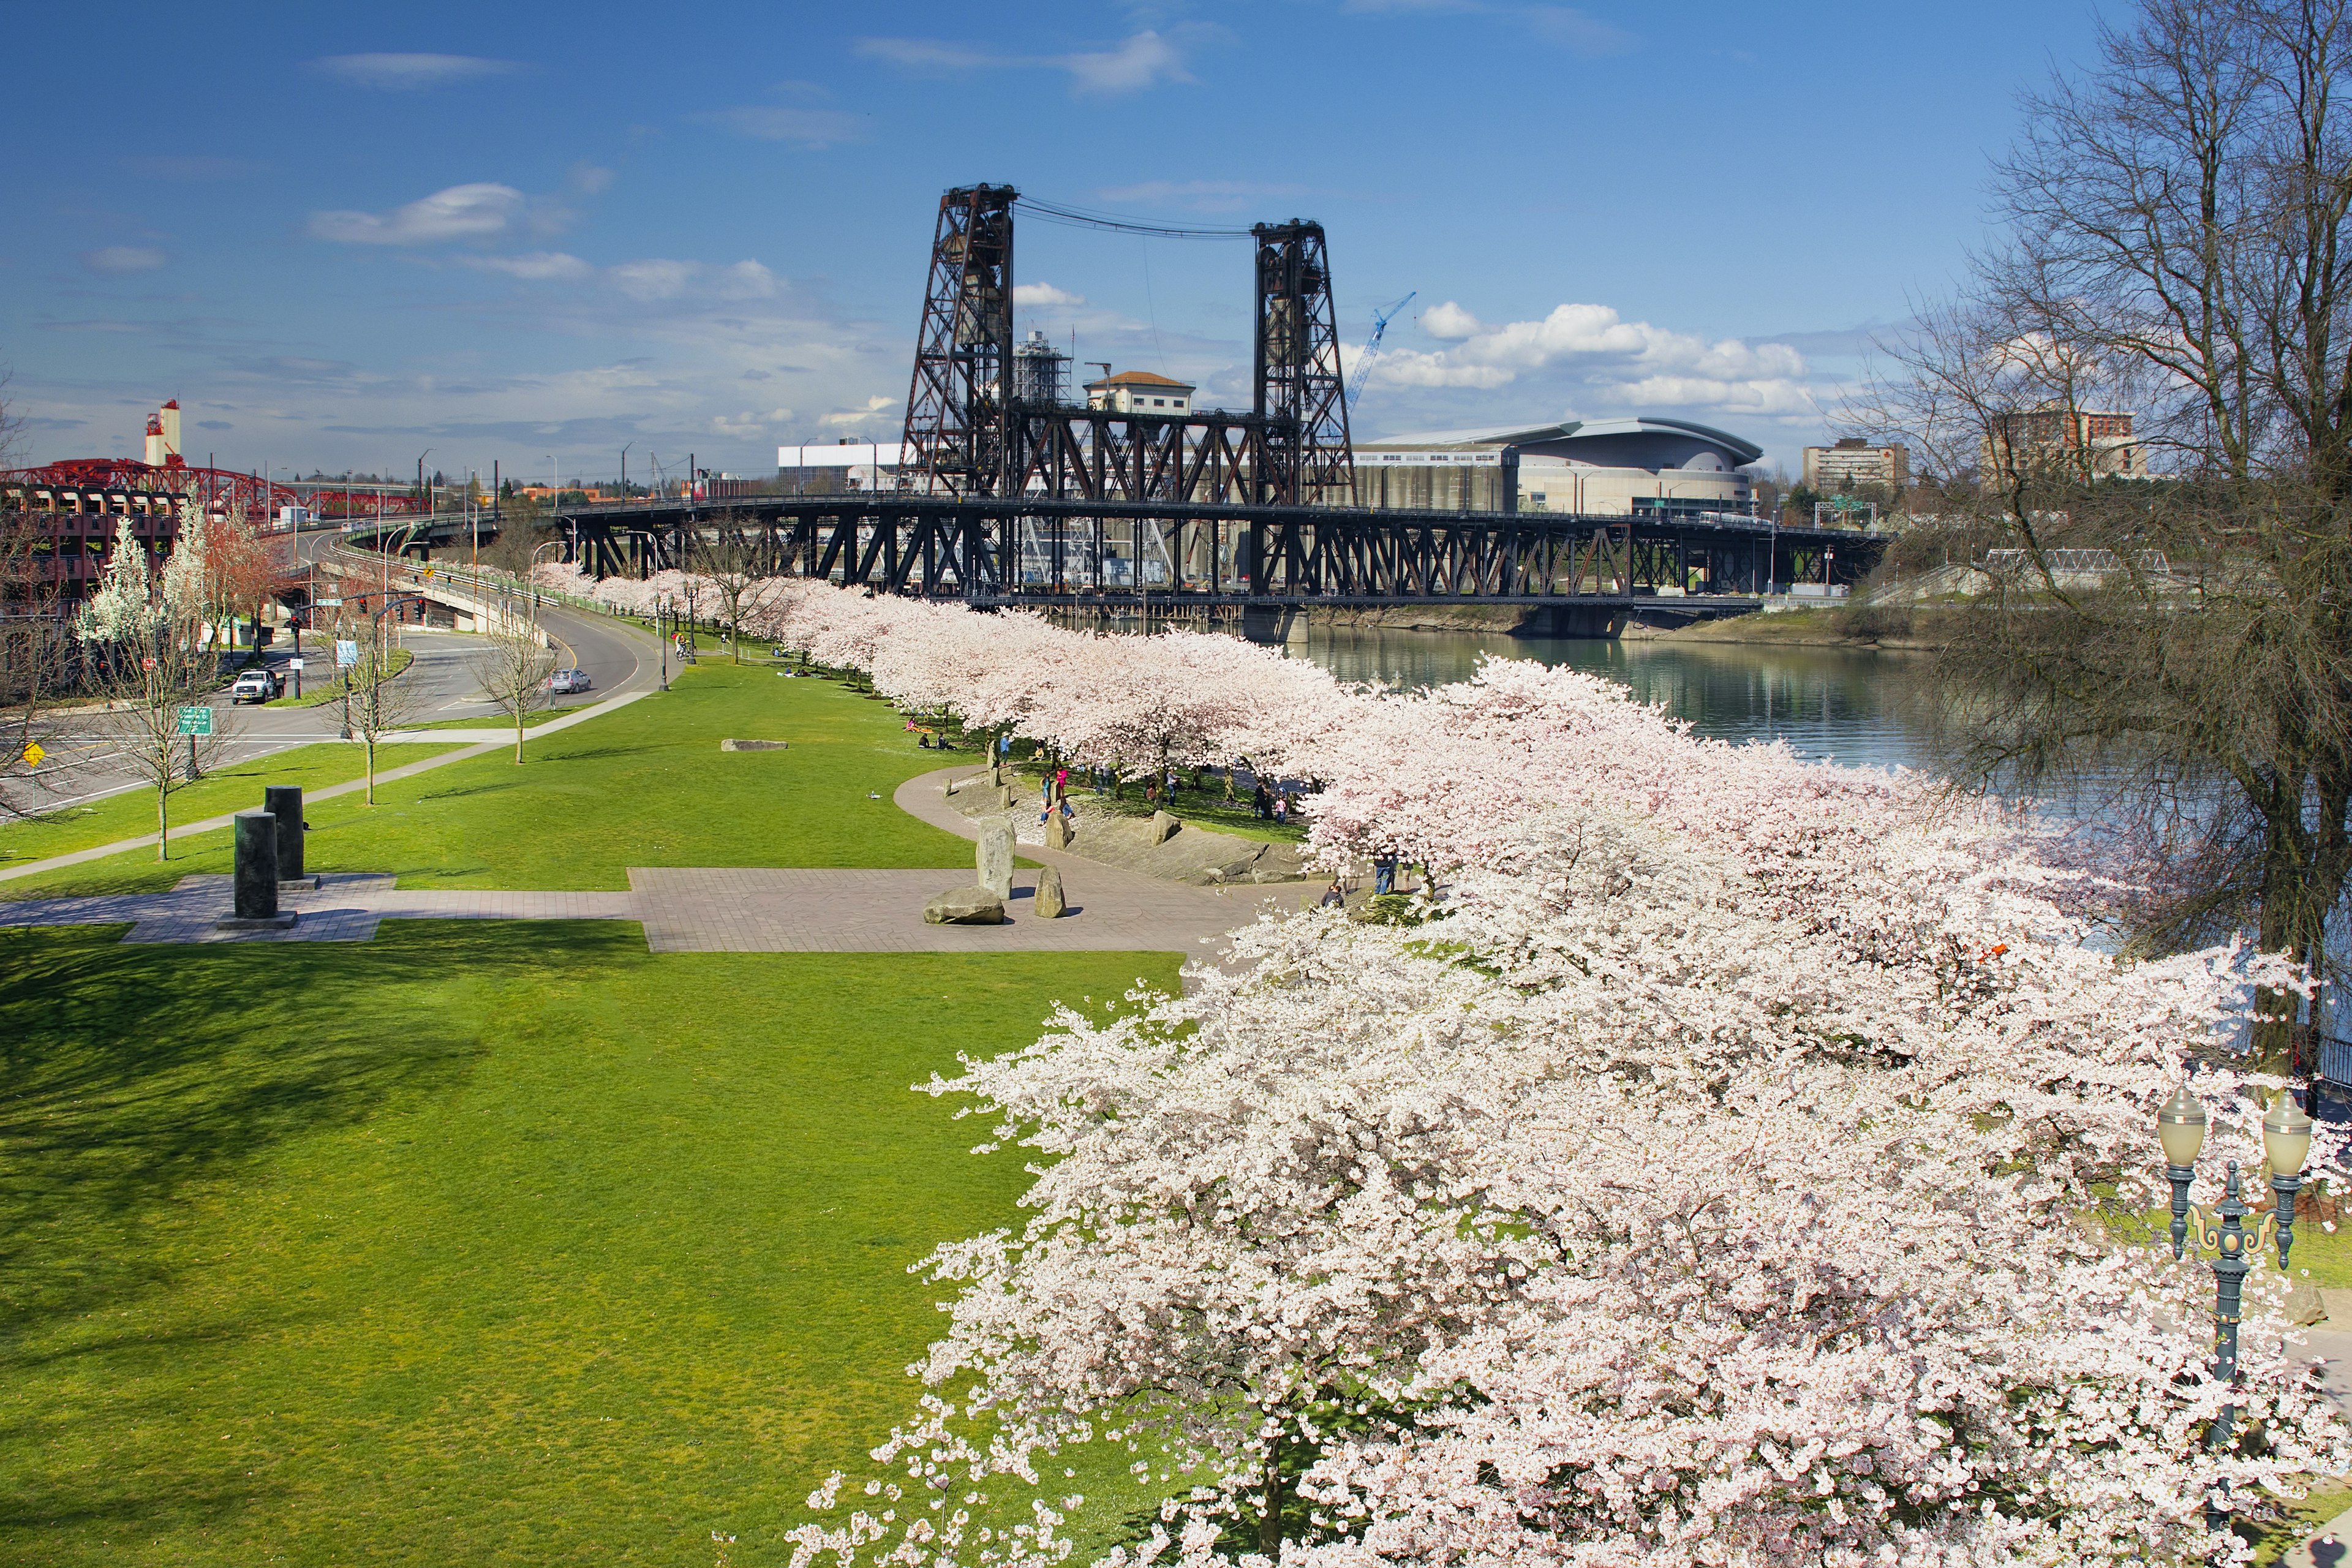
(624, 472)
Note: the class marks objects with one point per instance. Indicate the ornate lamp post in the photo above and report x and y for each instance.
(2286, 1142)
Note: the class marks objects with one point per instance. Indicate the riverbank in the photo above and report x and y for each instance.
(1901, 630)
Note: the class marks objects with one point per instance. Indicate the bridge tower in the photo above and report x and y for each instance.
(958, 406)
(1305, 457)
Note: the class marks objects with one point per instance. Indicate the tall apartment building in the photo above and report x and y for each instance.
(1854, 462)
(2054, 436)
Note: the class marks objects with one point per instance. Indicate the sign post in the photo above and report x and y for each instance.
(195, 722)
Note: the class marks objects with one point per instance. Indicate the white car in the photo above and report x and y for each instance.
(563, 682)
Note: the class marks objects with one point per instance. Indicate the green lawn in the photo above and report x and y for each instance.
(645, 785)
(234, 786)
(496, 1243)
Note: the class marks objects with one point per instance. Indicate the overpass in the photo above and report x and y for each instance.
(1588, 573)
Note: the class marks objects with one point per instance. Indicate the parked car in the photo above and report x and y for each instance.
(565, 681)
(257, 685)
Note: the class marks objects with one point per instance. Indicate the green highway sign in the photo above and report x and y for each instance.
(195, 720)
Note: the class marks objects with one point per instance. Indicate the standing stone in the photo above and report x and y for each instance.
(964, 907)
(1163, 828)
(1057, 832)
(256, 866)
(995, 856)
(1048, 903)
(284, 802)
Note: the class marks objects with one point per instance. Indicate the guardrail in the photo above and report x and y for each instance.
(2334, 1060)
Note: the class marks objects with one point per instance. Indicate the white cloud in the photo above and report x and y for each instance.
(461, 212)
(123, 258)
(660, 278)
(750, 423)
(653, 279)
(811, 128)
(1630, 363)
(535, 266)
(590, 179)
(1144, 59)
(860, 416)
(1450, 322)
(410, 73)
(1045, 296)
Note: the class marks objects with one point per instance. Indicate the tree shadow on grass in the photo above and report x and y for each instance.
(132, 1076)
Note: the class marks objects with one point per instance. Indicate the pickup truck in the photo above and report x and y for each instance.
(257, 685)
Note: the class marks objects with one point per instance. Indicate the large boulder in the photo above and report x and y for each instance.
(1163, 828)
(964, 907)
(1049, 903)
(1057, 832)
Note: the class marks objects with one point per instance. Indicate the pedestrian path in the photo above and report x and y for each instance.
(728, 908)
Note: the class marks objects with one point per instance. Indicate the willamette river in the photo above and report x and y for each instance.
(1859, 708)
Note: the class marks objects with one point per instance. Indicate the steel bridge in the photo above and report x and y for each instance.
(991, 550)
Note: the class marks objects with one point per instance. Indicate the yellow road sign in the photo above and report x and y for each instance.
(32, 755)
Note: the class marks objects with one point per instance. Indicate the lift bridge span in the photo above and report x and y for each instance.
(1010, 492)
(1587, 575)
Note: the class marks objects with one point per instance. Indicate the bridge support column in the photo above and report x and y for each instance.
(1272, 623)
(1574, 621)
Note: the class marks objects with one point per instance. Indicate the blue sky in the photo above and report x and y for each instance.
(534, 234)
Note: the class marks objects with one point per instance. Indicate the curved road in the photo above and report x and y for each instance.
(617, 657)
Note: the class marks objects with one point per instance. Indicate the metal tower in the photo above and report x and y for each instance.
(1307, 458)
(963, 353)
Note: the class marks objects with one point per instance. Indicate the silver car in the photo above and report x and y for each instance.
(563, 682)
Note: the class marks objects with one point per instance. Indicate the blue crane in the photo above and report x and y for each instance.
(1380, 318)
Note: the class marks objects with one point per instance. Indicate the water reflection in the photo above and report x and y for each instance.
(1850, 706)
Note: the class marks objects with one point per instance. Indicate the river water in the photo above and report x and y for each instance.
(1851, 706)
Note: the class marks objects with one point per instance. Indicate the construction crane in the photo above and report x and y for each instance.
(1371, 350)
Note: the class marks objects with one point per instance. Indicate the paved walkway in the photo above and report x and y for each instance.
(733, 909)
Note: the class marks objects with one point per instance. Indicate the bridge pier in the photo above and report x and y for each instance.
(1575, 621)
(1272, 623)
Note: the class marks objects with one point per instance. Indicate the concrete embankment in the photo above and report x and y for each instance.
(1898, 630)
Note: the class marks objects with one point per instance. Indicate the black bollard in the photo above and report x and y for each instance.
(256, 866)
(284, 802)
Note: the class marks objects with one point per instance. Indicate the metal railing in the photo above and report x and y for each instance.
(2334, 1060)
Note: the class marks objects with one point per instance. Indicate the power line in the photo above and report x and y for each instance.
(1079, 218)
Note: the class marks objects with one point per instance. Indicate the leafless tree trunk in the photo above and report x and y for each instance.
(140, 723)
(515, 662)
(375, 701)
(2177, 220)
(730, 564)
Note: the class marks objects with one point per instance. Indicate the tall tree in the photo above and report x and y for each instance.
(2176, 246)
(729, 565)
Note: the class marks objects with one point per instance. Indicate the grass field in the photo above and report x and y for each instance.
(647, 785)
(233, 786)
(481, 1244)
(531, 720)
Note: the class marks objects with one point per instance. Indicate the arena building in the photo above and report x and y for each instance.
(1609, 467)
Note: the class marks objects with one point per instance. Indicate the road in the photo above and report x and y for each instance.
(441, 680)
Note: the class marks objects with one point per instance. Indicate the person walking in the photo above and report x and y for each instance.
(1384, 868)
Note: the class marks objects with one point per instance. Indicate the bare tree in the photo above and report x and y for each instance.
(515, 662)
(522, 529)
(2177, 247)
(36, 655)
(376, 701)
(730, 564)
(142, 723)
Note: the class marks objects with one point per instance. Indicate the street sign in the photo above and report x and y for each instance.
(196, 722)
(294, 664)
(330, 604)
(148, 663)
(347, 654)
(32, 755)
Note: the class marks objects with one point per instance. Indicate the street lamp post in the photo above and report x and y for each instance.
(2286, 1142)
